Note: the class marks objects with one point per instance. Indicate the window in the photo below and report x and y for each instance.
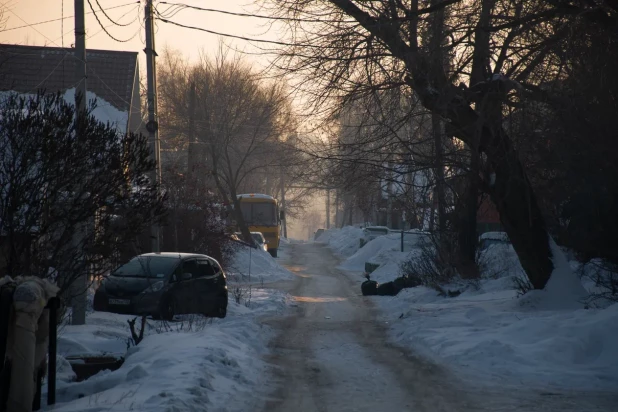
(216, 267)
(259, 214)
(205, 269)
(148, 266)
(190, 266)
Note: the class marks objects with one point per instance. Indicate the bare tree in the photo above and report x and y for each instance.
(240, 125)
(345, 47)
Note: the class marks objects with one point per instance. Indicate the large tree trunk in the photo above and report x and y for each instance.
(439, 172)
(519, 211)
(510, 190)
(467, 237)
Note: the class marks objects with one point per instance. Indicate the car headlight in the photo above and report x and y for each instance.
(155, 287)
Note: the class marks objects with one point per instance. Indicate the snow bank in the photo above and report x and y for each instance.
(256, 266)
(488, 335)
(544, 339)
(344, 242)
(385, 251)
(216, 365)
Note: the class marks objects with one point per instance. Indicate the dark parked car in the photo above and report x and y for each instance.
(164, 285)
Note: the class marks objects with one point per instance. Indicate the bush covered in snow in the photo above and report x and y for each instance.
(65, 198)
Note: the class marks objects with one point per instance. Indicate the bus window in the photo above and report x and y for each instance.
(259, 214)
(246, 212)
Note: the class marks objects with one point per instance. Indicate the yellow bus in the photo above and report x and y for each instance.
(261, 213)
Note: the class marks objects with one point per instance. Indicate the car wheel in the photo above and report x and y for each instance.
(168, 309)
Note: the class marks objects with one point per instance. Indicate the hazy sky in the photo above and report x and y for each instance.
(190, 42)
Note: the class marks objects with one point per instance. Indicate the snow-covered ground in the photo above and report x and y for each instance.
(191, 364)
(488, 333)
(344, 242)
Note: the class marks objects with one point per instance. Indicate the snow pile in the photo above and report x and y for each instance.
(256, 266)
(543, 339)
(386, 252)
(344, 242)
(215, 365)
(499, 260)
(489, 335)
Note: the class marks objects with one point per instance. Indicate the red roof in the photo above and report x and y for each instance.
(487, 212)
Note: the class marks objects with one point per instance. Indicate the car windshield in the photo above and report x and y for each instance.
(147, 266)
(258, 238)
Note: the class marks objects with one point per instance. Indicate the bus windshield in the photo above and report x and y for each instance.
(259, 214)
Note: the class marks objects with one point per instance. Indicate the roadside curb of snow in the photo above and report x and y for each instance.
(218, 367)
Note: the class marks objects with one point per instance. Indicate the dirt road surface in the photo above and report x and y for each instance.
(332, 355)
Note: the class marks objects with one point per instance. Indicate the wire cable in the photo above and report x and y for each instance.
(89, 36)
(233, 36)
(59, 19)
(182, 6)
(105, 29)
(109, 18)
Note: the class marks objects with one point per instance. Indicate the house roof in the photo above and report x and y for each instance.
(27, 69)
(487, 212)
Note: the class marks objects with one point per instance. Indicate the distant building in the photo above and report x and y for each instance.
(488, 217)
(113, 79)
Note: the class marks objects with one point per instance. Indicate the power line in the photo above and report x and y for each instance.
(107, 15)
(182, 6)
(59, 19)
(105, 29)
(110, 25)
(233, 36)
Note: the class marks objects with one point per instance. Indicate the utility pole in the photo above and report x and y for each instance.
(80, 283)
(285, 212)
(193, 148)
(389, 200)
(327, 208)
(153, 122)
(336, 207)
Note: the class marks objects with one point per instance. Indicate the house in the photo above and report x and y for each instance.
(112, 82)
(113, 79)
(487, 217)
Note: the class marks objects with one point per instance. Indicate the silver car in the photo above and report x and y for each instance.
(260, 241)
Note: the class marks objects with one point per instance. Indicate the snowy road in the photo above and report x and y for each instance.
(332, 355)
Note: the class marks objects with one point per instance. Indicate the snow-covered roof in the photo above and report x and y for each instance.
(174, 255)
(111, 74)
(377, 228)
(104, 111)
(501, 236)
(255, 196)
